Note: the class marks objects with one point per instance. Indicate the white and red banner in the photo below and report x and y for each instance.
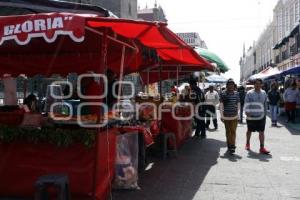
(49, 26)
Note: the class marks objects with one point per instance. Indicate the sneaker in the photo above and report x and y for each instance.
(264, 151)
(231, 151)
(247, 147)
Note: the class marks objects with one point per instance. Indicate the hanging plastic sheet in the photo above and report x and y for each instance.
(126, 168)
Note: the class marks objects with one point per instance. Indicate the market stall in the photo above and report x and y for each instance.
(176, 116)
(60, 43)
(90, 169)
(56, 43)
(267, 73)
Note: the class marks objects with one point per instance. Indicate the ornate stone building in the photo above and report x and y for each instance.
(121, 8)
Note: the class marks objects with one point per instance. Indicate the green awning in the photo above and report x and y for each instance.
(213, 58)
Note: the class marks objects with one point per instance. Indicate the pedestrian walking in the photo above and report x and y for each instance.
(229, 108)
(242, 94)
(256, 109)
(290, 97)
(274, 98)
(211, 100)
(198, 99)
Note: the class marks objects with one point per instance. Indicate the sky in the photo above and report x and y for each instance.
(225, 25)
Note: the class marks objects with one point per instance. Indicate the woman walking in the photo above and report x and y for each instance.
(274, 98)
(290, 97)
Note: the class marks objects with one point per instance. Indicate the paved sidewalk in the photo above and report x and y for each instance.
(203, 170)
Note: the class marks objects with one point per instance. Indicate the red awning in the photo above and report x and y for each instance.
(59, 43)
(171, 49)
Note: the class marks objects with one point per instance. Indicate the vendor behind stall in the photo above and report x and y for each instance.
(111, 99)
(91, 88)
(31, 103)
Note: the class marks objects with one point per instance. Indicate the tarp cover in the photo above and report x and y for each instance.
(291, 71)
(266, 73)
(90, 171)
(53, 43)
(215, 78)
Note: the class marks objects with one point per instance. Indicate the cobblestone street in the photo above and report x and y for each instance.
(203, 170)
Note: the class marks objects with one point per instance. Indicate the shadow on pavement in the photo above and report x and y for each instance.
(231, 157)
(293, 128)
(176, 178)
(258, 156)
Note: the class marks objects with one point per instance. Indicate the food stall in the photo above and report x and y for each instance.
(56, 43)
(60, 43)
(176, 116)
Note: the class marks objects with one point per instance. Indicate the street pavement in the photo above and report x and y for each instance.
(203, 170)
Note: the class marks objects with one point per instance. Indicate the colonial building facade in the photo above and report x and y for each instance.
(121, 8)
(193, 39)
(278, 45)
(152, 14)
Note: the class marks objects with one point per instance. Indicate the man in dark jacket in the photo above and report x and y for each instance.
(198, 98)
(274, 98)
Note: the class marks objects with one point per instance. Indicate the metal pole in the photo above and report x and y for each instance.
(177, 76)
(103, 68)
(25, 81)
(147, 89)
(160, 82)
(121, 72)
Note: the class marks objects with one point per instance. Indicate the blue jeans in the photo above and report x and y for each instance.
(273, 110)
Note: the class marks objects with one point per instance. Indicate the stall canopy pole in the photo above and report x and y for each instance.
(177, 76)
(134, 47)
(160, 82)
(147, 81)
(103, 67)
(25, 88)
(121, 73)
(103, 55)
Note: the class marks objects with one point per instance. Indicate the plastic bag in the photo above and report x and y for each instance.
(126, 167)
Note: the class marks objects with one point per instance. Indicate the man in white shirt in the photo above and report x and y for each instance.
(211, 99)
(256, 110)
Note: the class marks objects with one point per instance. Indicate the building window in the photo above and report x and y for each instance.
(280, 24)
(129, 9)
(293, 50)
(286, 20)
(277, 59)
(285, 55)
(292, 17)
(297, 11)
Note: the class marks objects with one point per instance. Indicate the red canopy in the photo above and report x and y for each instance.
(170, 48)
(59, 43)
